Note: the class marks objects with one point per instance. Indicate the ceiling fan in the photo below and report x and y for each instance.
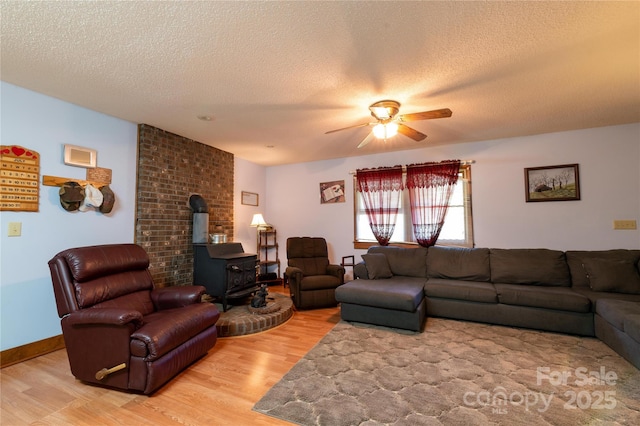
(389, 123)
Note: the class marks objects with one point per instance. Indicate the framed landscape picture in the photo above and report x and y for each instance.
(552, 183)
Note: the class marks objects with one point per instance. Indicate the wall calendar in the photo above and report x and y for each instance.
(19, 175)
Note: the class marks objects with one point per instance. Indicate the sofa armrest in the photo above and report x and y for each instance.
(97, 338)
(336, 271)
(168, 330)
(104, 316)
(360, 271)
(294, 274)
(177, 296)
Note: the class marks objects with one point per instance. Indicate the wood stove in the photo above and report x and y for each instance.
(225, 270)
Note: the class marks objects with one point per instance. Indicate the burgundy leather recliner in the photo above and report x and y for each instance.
(119, 330)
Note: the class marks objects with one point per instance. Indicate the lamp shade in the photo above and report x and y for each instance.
(385, 131)
(392, 129)
(258, 220)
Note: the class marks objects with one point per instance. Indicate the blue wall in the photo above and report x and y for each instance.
(43, 124)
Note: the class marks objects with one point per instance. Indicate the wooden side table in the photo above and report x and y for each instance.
(348, 261)
(277, 281)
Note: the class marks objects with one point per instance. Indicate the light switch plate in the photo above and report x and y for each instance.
(15, 229)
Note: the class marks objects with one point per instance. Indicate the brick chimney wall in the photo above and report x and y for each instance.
(170, 169)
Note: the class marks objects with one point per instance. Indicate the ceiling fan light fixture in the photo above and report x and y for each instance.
(389, 123)
(384, 110)
(385, 131)
(392, 129)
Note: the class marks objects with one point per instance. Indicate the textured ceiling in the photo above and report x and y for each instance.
(275, 76)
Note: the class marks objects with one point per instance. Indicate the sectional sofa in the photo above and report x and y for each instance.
(588, 293)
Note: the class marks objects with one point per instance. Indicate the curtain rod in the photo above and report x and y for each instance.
(404, 168)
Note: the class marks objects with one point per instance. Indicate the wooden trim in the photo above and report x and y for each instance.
(31, 350)
(365, 245)
(59, 181)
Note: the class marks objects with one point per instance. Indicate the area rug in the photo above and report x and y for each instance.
(456, 373)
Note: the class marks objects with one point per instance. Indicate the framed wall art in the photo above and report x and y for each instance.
(332, 192)
(249, 198)
(552, 183)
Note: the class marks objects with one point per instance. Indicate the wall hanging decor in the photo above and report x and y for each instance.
(332, 192)
(552, 183)
(249, 198)
(19, 178)
(99, 174)
(80, 156)
(74, 195)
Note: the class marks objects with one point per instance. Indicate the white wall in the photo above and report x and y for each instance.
(608, 159)
(43, 124)
(289, 197)
(248, 177)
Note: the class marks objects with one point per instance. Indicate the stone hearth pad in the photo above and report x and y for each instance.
(239, 321)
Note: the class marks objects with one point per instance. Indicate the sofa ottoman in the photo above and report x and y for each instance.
(400, 305)
(617, 323)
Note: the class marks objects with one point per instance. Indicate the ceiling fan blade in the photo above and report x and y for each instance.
(366, 140)
(426, 115)
(349, 127)
(412, 133)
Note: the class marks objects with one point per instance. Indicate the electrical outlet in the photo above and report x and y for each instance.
(15, 229)
(625, 224)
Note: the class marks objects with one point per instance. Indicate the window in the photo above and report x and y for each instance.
(456, 231)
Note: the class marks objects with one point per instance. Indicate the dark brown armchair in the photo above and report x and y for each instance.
(312, 280)
(120, 331)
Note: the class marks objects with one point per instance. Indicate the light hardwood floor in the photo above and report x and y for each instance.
(219, 389)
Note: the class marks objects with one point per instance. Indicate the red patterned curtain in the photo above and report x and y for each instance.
(430, 186)
(381, 189)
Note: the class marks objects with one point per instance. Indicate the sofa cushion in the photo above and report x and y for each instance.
(473, 291)
(99, 261)
(596, 296)
(402, 293)
(410, 262)
(576, 258)
(310, 265)
(139, 301)
(617, 276)
(558, 298)
(320, 282)
(377, 266)
(632, 326)
(541, 267)
(615, 311)
(458, 263)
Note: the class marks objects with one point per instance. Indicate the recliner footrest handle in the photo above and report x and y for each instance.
(106, 371)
